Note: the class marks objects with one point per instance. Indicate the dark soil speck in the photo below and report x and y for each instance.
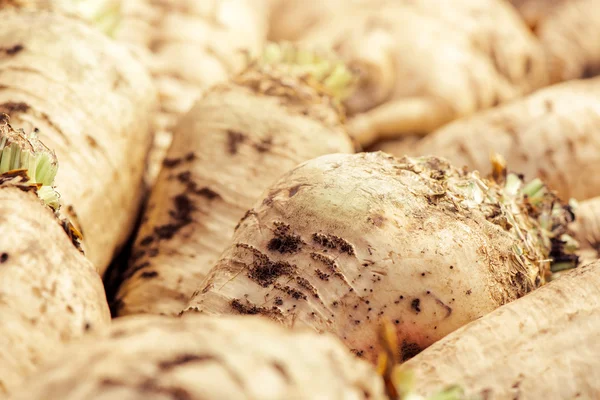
(334, 242)
(181, 214)
(147, 240)
(408, 350)
(264, 145)
(234, 138)
(17, 48)
(416, 305)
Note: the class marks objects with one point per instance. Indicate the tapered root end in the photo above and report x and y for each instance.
(399, 118)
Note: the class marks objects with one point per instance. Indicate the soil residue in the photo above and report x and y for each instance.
(416, 305)
(322, 275)
(264, 145)
(308, 286)
(329, 262)
(334, 242)
(173, 162)
(408, 350)
(292, 292)
(149, 274)
(248, 213)
(234, 138)
(183, 359)
(284, 241)
(263, 270)
(181, 214)
(251, 309)
(11, 107)
(11, 51)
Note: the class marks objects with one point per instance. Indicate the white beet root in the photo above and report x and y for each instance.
(202, 358)
(343, 240)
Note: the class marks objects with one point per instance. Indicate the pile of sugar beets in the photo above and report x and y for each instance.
(291, 199)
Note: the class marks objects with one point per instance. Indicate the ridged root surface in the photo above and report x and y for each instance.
(343, 240)
(551, 134)
(544, 345)
(90, 100)
(50, 293)
(237, 140)
(246, 358)
(189, 46)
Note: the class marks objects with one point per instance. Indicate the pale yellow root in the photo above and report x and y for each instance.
(49, 293)
(189, 45)
(399, 147)
(403, 117)
(568, 31)
(201, 358)
(344, 240)
(91, 101)
(551, 134)
(542, 346)
(587, 229)
(231, 146)
(449, 59)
